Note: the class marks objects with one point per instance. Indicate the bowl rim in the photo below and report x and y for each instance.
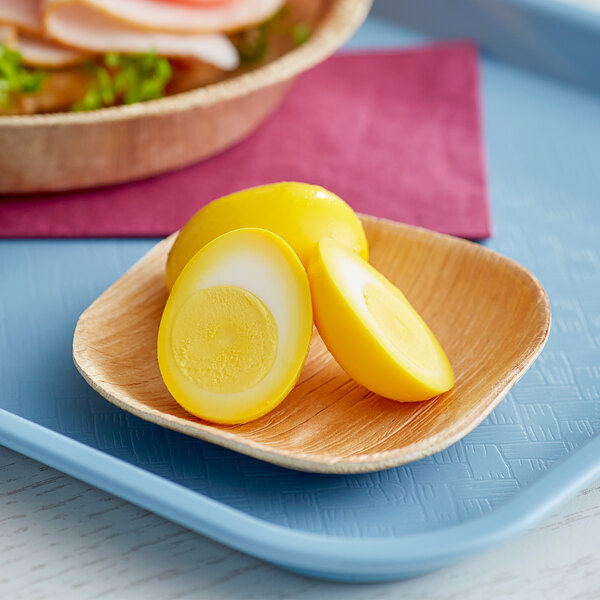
(342, 19)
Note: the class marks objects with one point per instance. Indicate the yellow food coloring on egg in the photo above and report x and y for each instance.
(400, 325)
(372, 330)
(224, 339)
(301, 214)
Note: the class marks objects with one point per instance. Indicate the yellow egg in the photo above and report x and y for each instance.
(298, 212)
(236, 327)
(371, 329)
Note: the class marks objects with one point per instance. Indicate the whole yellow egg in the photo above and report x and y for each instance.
(299, 213)
(236, 327)
(372, 330)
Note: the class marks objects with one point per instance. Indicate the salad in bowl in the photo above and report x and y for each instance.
(81, 55)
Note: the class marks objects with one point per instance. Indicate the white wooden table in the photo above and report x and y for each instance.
(63, 539)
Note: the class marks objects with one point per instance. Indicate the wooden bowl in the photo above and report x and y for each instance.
(63, 151)
(490, 314)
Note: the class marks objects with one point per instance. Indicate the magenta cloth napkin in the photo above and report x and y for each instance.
(397, 134)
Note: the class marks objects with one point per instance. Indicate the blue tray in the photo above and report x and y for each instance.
(556, 37)
(535, 449)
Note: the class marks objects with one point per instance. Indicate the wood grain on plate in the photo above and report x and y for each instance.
(490, 314)
(64, 151)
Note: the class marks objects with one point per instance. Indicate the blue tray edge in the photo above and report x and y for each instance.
(317, 555)
(550, 37)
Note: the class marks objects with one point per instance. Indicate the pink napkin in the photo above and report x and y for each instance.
(397, 134)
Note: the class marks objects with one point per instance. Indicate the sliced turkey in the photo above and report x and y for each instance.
(25, 15)
(222, 17)
(79, 26)
(8, 36)
(46, 54)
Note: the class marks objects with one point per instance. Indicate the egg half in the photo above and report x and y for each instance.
(372, 330)
(236, 327)
(300, 213)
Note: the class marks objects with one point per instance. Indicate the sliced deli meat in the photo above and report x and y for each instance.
(8, 36)
(25, 15)
(158, 15)
(43, 53)
(21, 28)
(80, 25)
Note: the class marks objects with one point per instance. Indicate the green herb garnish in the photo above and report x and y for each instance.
(300, 33)
(252, 44)
(124, 79)
(15, 77)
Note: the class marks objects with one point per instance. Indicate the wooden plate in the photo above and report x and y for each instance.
(490, 314)
(64, 151)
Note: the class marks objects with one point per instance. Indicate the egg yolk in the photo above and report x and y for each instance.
(224, 339)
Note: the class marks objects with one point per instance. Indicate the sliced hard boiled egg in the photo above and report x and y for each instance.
(236, 327)
(372, 330)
